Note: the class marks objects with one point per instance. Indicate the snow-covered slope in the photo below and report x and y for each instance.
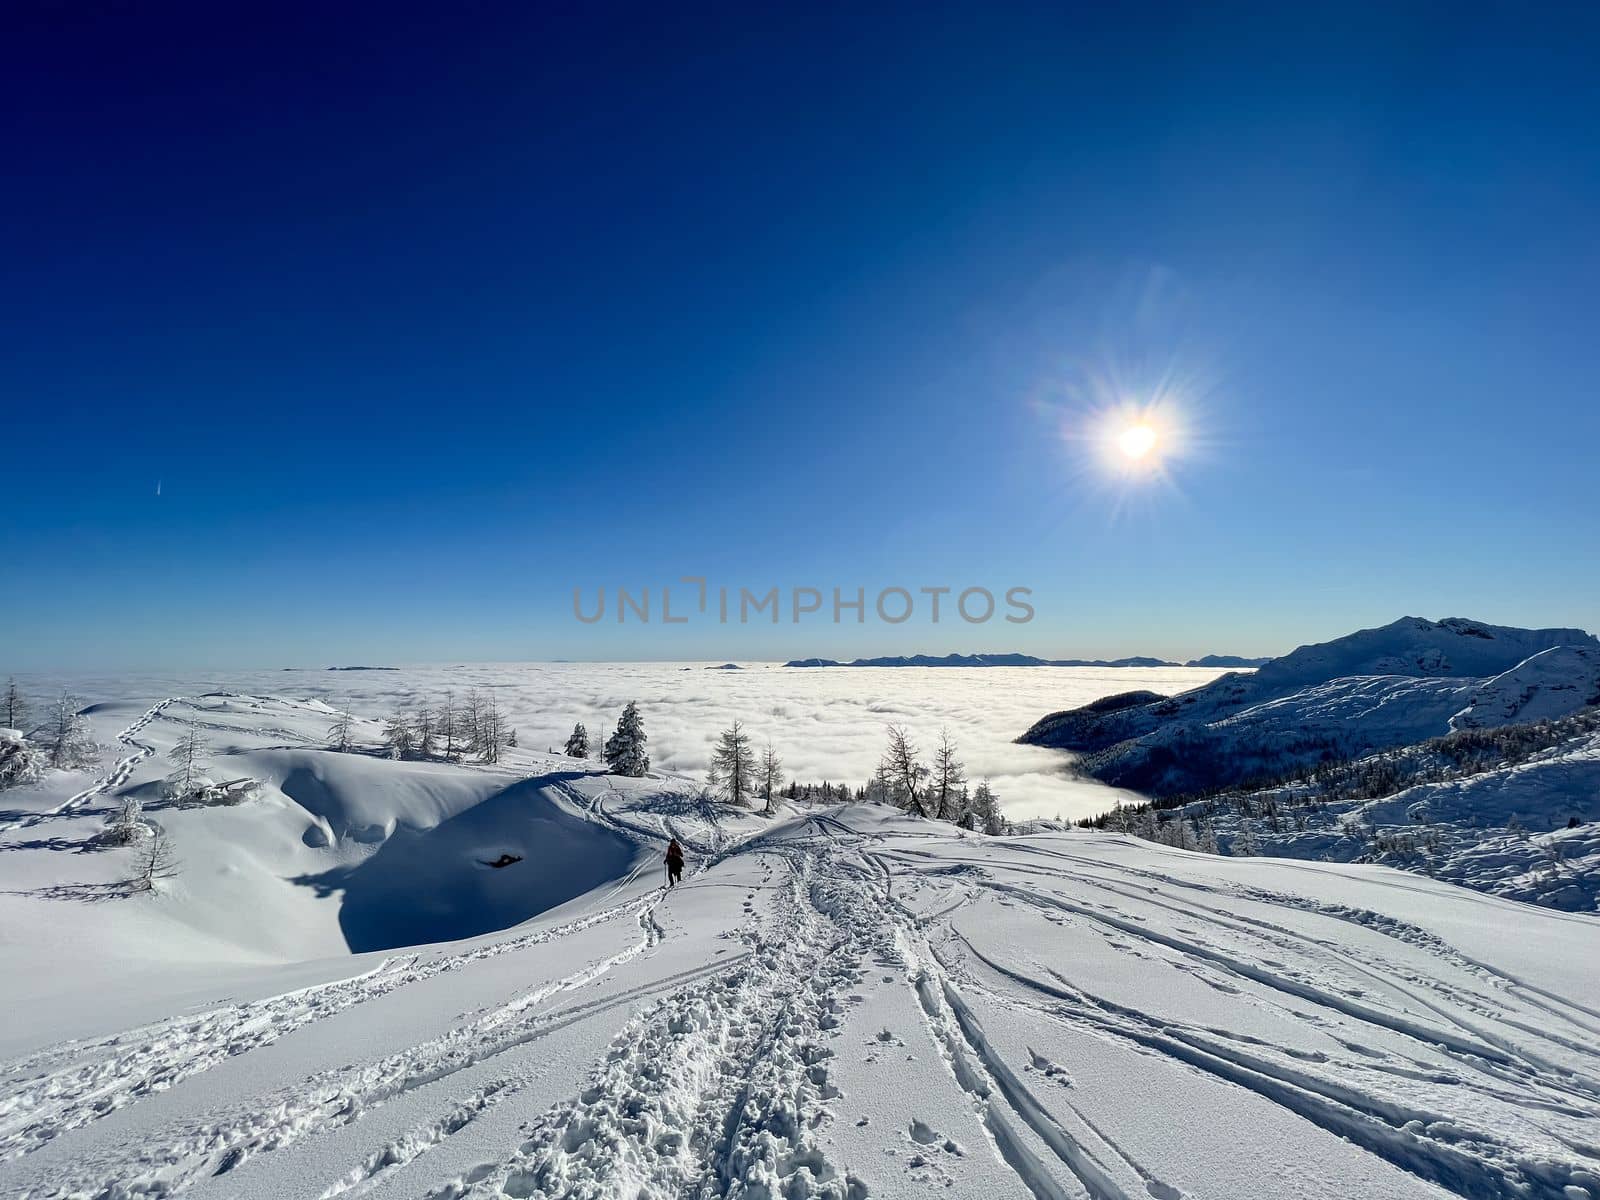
(1515, 813)
(1547, 685)
(1374, 689)
(835, 1003)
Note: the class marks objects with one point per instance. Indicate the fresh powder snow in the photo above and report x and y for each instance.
(366, 977)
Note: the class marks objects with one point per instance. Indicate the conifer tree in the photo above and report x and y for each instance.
(67, 740)
(426, 727)
(578, 742)
(986, 810)
(733, 766)
(187, 753)
(127, 825)
(448, 718)
(624, 749)
(472, 722)
(13, 709)
(339, 731)
(20, 762)
(771, 777)
(949, 776)
(398, 736)
(901, 775)
(493, 735)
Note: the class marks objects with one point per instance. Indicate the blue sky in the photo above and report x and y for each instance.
(422, 317)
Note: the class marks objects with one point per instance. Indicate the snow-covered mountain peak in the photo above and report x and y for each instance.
(1455, 647)
(1403, 682)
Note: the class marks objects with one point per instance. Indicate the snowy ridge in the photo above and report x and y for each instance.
(1379, 688)
(1547, 685)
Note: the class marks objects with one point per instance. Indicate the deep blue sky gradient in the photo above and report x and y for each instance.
(424, 315)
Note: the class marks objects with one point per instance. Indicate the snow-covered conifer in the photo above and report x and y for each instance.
(624, 749)
(733, 766)
(986, 810)
(448, 723)
(945, 793)
(339, 731)
(771, 777)
(20, 762)
(66, 737)
(186, 753)
(13, 709)
(126, 825)
(398, 737)
(425, 725)
(493, 733)
(156, 862)
(901, 775)
(578, 742)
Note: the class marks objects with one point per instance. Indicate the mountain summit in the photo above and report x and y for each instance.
(1390, 686)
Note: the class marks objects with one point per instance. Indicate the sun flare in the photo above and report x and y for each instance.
(1129, 441)
(1136, 441)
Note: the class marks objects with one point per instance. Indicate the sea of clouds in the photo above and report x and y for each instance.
(825, 723)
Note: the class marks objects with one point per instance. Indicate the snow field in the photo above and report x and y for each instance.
(835, 1004)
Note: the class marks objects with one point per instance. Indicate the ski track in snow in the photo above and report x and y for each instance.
(1420, 1141)
(716, 1090)
(724, 1083)
(114, 778)
(73, 1084)
(343, 1096)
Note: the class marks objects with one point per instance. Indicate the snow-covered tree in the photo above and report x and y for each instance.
(985, 810)
(20, 762)
(578, 742)
(398, 737)
(733, 766)
(339, 731)
(878, 790)
(472, 722)
(494, 735)
(13, 708)
(186, 754)
(66, 737)
(900, 773)
(448, 719)
(425, 725)
(771, 777)
(624, 749)
(511, 738)
(156, 862)
(126, 825)
(947, 793)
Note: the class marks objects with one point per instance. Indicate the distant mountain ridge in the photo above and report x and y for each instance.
(1014, 660)
(1371, 690)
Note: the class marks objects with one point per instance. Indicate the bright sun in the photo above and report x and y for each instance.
(1136, 441)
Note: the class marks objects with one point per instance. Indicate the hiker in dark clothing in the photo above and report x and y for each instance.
(674, 863)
